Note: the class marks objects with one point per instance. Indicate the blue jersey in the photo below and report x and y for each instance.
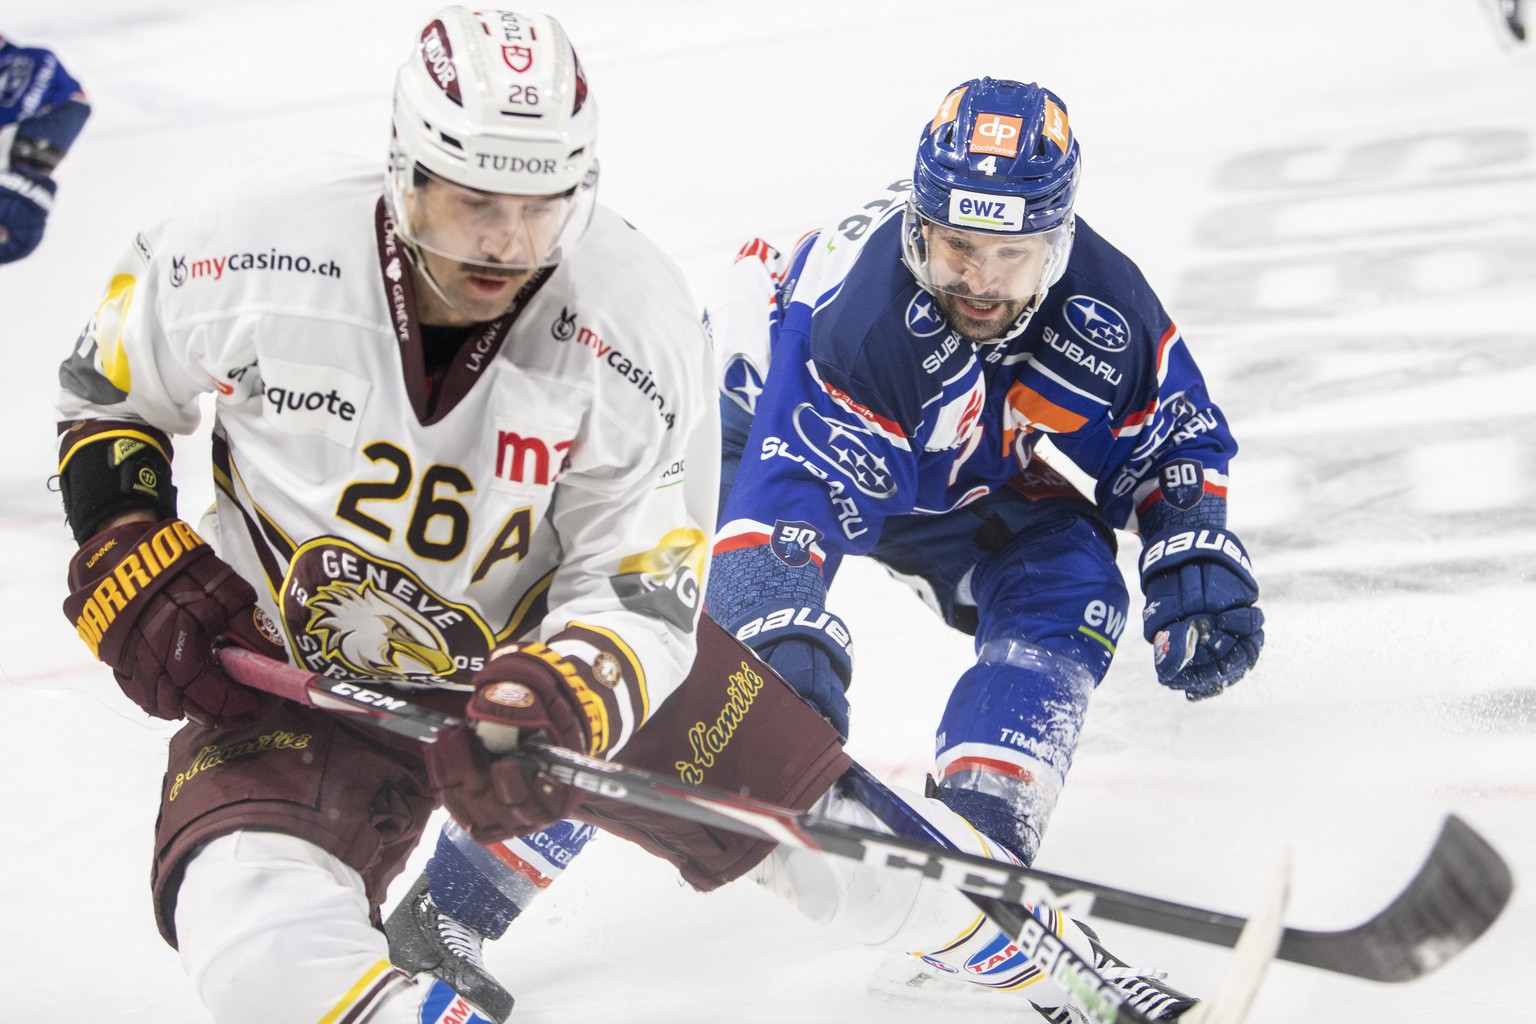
(873, 406)
(32, 82)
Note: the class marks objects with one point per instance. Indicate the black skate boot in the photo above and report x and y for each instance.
(1145, 990)
(424, 940)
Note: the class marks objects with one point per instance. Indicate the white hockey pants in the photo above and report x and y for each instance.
(272, 928)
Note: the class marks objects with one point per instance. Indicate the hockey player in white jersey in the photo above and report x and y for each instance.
(463, 438)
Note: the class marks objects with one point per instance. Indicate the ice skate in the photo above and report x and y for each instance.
(424, 940)
(1145, 989)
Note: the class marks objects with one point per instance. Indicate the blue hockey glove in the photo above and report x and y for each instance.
(26, 196)
(810, 648)
(1200, 616)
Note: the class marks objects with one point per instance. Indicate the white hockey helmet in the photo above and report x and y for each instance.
(493, 106)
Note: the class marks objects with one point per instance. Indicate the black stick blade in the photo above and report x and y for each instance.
(1456, 896)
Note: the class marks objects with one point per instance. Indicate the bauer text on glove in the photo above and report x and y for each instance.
(1200, 616)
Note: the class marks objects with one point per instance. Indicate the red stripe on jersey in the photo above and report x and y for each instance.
(755, 248)
(741, 540)
(506, 856)
(1163, 345)
(757, 540)
(846, 400)
(987, 764)
(1136, 420)
(1211, 487)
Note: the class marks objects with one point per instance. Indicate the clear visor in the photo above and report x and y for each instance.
(984, 265)
(489, 229)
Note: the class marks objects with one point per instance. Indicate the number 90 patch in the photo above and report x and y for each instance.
(1182, 483)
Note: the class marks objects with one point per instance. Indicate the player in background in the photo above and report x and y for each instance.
(463, 439)
(42, 110)
(883, 393)
(1509, 22)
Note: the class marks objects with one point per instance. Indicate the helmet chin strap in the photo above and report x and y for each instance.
(1022, 322)
(413, 256)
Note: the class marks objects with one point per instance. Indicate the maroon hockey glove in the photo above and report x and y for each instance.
(521, 694)
(150, 599)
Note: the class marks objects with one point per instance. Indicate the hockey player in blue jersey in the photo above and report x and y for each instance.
(891, 405)
(912, 357)
(42, 110)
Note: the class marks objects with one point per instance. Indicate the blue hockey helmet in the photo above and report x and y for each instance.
(997, 159)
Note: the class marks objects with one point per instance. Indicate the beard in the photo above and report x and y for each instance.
(975, 324)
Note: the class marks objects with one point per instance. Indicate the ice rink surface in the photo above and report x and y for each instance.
(1337, 203)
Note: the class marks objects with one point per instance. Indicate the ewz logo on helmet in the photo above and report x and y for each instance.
(997, 213)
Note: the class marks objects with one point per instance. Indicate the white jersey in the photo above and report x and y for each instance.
(558, 483)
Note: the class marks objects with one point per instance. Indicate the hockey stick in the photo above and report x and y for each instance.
(1456, 895)
(379, 703)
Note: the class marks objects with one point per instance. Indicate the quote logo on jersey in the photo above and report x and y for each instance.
(302, 398)
(997, 134)
(794, 542)
(349, 612)
(664, 581)
(923, 317)
(1098, 323)
(742, 382)
(845, 449)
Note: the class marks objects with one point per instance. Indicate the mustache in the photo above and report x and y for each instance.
(962, 291)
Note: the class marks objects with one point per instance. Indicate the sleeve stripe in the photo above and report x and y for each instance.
(741, 540)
